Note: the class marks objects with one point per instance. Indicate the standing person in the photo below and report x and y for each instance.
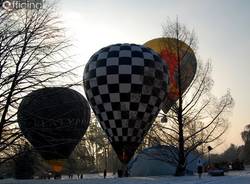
(104, 173)
(199, 168)
(126, 174)
(119, 173)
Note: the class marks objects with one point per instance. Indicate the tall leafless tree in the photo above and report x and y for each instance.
(245, 135)
(33, 54)
(197, 119)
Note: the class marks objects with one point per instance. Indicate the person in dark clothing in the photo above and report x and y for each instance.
(104, 173)
(119, 173)
(126, 174)
(199, 168)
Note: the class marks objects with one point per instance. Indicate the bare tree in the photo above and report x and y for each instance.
(33, 54)
(197, 118)
(245, 135)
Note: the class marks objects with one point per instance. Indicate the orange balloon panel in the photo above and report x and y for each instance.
(56, 165)
(168, 48)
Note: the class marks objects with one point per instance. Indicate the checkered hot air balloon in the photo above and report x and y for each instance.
(126, 85)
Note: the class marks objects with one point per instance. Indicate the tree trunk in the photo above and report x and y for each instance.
(181, 167)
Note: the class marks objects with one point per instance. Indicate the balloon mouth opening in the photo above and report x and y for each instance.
(125, 150)
(123, 157)
(56, 165)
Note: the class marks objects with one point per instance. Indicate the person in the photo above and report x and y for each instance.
(199, 168)
(126, 174)
(119, 173)
(104, 173)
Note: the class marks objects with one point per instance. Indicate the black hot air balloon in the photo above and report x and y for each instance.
(54, 120)
(126, 85)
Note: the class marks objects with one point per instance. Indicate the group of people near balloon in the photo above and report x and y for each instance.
(126, 86)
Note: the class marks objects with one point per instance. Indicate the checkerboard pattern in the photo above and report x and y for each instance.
(126, 85)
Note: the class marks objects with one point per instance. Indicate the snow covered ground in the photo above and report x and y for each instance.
(233, 177)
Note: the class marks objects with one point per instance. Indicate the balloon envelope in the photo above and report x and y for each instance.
(167, 48)
(54, 120)
(126, 85)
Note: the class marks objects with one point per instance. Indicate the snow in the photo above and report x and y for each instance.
(233, 177)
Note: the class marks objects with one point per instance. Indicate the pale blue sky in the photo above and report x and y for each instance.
(222, 28)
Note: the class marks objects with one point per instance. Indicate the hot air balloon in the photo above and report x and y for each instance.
(167, 48)
(126, 85)
(54, 120)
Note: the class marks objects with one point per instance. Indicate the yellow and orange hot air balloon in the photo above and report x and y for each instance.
(171, 51)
